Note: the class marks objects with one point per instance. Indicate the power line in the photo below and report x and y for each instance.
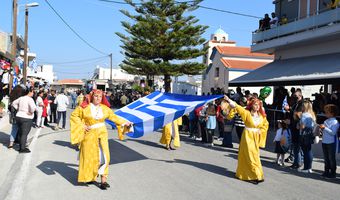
(230, 12)
(81, 38)
(204, 7)
(75, 61)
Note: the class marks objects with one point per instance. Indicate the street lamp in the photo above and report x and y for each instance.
(34, 4)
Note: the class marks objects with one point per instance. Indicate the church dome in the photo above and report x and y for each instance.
(220, 32)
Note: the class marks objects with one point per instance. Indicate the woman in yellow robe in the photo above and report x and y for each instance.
(170, 133)
(89, 131)
(254, 136)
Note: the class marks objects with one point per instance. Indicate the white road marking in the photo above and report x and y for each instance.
(18, 184)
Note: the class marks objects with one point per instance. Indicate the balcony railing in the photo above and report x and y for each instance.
(312, 22)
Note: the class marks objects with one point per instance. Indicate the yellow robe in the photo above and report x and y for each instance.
(167, 130)
(89, 161)
(249, 164)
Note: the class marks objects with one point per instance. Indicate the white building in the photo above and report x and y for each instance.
(42, 72)
(228, 62)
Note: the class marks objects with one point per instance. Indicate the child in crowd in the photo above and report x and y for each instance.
(282, 141)
(330, 140)
(211, 123)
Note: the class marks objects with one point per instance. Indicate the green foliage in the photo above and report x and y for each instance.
(162, 39)
(2, 104)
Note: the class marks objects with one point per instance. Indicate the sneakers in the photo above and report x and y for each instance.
(305, 171)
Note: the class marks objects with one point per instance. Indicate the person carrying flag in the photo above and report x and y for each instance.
(89, 131)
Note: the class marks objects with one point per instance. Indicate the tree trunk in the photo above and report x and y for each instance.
(167, 83)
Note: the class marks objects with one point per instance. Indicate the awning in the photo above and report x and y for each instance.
(313, 70)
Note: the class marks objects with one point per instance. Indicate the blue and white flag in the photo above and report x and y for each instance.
(15, 79)
(284, 104)
(154, 111)
(20, 62)
(34, 64)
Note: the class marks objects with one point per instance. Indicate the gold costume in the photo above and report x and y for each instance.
(94, 155)
(253, 137)
(171, 130)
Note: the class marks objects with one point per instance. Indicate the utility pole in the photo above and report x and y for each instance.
(14, 38)
(26, 46)
(111, 83)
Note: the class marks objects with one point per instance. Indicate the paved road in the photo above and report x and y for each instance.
(142, 169)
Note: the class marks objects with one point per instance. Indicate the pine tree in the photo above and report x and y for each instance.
(163, 39)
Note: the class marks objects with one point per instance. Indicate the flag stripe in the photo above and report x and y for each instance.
(154, 111)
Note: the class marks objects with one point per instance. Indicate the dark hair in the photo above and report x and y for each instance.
(18, 91)
(331, 108)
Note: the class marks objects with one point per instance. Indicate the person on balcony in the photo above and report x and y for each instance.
(264, 23)
(284, 19)
(274, 21)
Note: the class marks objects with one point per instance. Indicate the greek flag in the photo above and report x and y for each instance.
(34, 64)
(284, 104)
(20, 62)
(15, 79)
(154, 111)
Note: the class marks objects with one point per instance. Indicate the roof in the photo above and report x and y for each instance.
(71, 82)
(242, 64)
(240, 51)
(313, 70)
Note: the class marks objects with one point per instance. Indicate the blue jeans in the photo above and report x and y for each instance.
(14, 132)
(297, 154)
(307, 156)
(61, 114)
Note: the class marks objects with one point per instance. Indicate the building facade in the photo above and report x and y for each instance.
(228, 62)
(306, 48)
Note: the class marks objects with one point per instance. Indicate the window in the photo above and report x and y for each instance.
(217, 72)
(215, 38)
(223, 39)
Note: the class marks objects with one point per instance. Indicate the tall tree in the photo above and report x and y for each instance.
(162, 39)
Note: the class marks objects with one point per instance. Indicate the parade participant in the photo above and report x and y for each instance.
(254, 136)
(170, 133)
(88, 129)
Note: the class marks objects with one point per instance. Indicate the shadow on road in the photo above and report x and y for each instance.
(315, 175)
(148, 143)
(65, 144)
(66, 170)
(4, 139)
(203, 166)
(122, 154)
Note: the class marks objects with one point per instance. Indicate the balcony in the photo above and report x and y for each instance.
(313, 27)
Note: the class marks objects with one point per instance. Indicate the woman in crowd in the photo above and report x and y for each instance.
(306, 126)
(254, 136)
(25, 107)
(18, 91)
(88, 129)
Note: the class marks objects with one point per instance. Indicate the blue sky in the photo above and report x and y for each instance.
(97, 22)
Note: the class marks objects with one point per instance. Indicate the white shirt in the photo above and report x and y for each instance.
(24, 105)
(62, 101)
(38, 102)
